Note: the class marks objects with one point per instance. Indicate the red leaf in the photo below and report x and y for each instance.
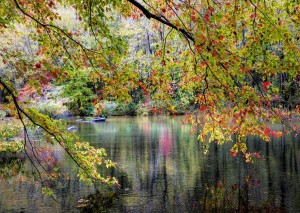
(267, 131)
(55, 72)
(38, 66)
(202, 108)
(206, 18)
(194, 19)
(211, 9)
(203, 64)
(233, 154)
(198, 48)
(295, 127)
(266, 85)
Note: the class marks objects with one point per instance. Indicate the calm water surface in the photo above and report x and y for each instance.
(163, 168)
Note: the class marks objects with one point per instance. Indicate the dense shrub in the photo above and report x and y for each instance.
(105, 108)
(131, 109)
(9, 131)
(2, 113)
(51, 108)
(119, 110)
(12, 146)
(124, 109)
(80, 91)
(181, 107)
(143, 110)
(9, 144)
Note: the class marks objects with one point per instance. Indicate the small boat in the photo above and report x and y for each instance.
(99, 119)
(72, 128)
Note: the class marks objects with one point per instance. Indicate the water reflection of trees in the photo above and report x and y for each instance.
(155, 163)
(21, 188)
(162, 168)
(163, 172)
(10, 166)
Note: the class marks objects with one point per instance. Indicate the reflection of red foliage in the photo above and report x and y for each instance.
(165, 141)
(257, 155)
(45, 157)
(146, 128)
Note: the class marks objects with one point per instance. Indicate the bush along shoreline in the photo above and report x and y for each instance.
(11, 144)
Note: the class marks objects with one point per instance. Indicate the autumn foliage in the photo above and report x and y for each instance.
(236, 61)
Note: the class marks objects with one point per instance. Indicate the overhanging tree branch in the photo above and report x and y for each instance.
(150, 15)
(51, 27)
(58, 137)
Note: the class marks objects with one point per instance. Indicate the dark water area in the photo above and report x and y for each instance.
(164, 168)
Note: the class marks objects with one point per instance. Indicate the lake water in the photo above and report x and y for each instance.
(163, 168)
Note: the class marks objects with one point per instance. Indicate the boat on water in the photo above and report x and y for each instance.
(72, 128)
(99, 119)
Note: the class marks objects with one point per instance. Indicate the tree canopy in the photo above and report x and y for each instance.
(236, 61)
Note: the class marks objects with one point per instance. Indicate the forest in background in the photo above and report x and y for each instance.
(80, 95)
(151, 76)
